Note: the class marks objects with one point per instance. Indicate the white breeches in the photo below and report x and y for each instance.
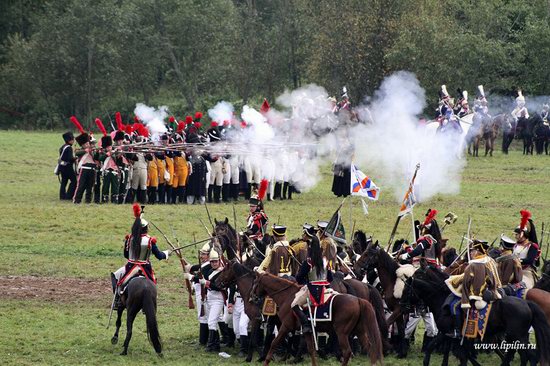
(215, 308)
(431, 328)
(240, 319)
(202, 319)
(216, 174)
(139, 178)
(233, 170)
(253, 171)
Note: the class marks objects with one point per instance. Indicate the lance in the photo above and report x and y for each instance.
(183, 263)
(403, 205)
(469, 236)
(110, 120)
(209, 217)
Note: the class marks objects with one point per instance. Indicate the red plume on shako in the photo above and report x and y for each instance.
(118, 120)
(525, 216)
(430, 217)
(137, 210)
(263, 189)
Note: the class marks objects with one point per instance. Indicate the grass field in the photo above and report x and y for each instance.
(62, 242)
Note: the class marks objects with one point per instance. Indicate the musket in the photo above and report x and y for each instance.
(194, 243)
(238, 236)
(205, 227)
(254, 245)
(183, 264)
(110, 120)
(209, 217)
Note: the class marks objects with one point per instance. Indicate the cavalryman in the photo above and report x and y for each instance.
(527, 249)
(480, 103)
(462, 107)
(278, 259)
(327, 245)
(300, 247)
(480, 275)
(445, 104)
(428, 245)
(509, 265)
(257, 219)
(137, 249)
(315, 274)
(521, 110)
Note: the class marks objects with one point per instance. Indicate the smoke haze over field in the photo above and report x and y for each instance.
(292, 143)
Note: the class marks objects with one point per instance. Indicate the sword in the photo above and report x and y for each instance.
(112, 308)
(190, 245)
(312, 325)
(346, 266)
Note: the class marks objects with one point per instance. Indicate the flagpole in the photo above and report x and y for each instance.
(409, 191)
(412, 222)
(350, 216)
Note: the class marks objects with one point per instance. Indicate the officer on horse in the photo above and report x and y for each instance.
(428, 245)
(137, 249)
(315, 275)
(527, 249)
(257, 218)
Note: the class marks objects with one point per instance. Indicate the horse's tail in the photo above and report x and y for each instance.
(542, 333)
(378, 305)
(150, 311)
(368, 333)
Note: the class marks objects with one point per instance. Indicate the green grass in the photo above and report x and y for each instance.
(45, 237)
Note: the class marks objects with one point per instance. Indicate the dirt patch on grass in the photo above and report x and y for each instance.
(53, 289)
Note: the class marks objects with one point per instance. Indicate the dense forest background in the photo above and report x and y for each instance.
(94, 57)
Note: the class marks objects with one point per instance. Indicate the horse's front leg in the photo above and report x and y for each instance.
(311, 348)
(120, 310)
(280, 336)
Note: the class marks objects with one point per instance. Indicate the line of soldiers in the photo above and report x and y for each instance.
(119, 175)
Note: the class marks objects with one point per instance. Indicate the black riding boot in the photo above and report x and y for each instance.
(114, 286)
(235, 192)
(217, 191)
(285, 189)
(244, 342)
(210, 193)
(142, 196)
(306, 324)
(224, 330)
(213, 344)
(248, 191)
(225, 192)
(203, 334)
(290, 191)
(426, 341)
(277, 191)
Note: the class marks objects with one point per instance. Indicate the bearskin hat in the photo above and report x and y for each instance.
(82, 139)
(68, 136)
(106, 141)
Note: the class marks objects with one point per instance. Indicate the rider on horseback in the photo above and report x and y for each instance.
(480, 103)
(527, 249)
(257, 219)
(315, 275)
(521, 110)
(277, 260)
(328, 246)
(428, 245)
(509, 268)
(137, 249)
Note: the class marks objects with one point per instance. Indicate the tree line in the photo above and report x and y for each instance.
(94, 57)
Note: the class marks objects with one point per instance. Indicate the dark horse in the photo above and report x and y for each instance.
(510, 317)
(231, 243)
(525, 131)
(140, 294)
(540, 294)
(374, 257)
(350, 316)
(236, 273)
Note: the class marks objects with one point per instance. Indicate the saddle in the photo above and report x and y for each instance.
(135, 272)
(476, 323)
(516, 290)
(321, 312)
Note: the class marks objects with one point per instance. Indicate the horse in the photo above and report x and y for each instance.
(227, 237)
(541, 137)
(509, 126)
(351, 316)
(243, 277)
(367, 292)
(374, 257)
(490, 132)
(524, 131)
(509, 316)
(474, 134)
(540, 294)
(140, 294)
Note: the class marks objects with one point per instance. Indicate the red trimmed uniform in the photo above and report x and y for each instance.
(256, 225)
(425, 248)
(141, 262)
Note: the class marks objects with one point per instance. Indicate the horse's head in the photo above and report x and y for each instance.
(222, 227)
(449, 255)
(227, 277)
(360, 241)
(546, 267)
(368, 259)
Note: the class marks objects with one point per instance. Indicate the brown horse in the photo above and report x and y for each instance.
(374, 257)
(350, 316)
(236, 273)
(484, 128)
(540, 294)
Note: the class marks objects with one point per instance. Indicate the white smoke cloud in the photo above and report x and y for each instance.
(223, 111)
(395, 143)
(153, 119)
